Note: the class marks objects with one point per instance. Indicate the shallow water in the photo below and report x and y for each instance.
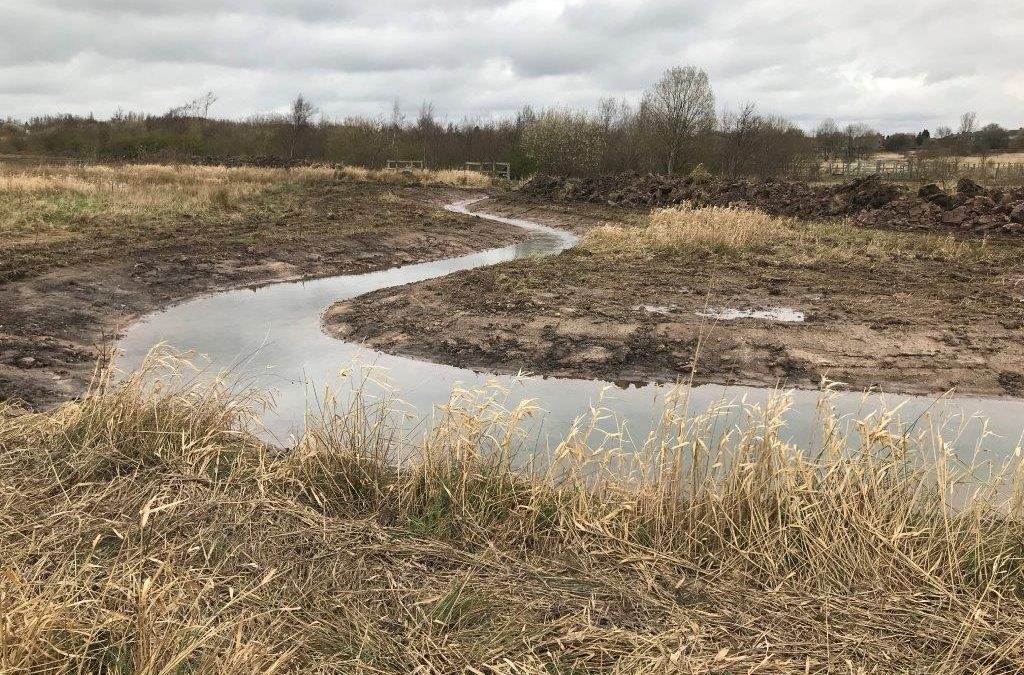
(781, 314)
(271, 338)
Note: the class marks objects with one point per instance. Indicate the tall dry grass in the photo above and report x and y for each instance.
(738, 231)
(144, 530)
(445, 177)
(685, 228)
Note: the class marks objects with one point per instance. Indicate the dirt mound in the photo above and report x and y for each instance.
(775, 196)
(970, 208)
(870, 201)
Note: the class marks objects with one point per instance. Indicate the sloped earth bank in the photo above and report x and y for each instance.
(968, 209)
(55, 322)
(904, 312)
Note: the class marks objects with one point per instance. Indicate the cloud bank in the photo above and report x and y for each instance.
(898, 66)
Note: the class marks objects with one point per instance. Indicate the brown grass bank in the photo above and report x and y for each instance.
(84, 250)
(143, 530)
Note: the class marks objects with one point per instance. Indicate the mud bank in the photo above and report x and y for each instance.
(55, 323)
(893, 311)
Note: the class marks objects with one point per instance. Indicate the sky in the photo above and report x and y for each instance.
(899, 65)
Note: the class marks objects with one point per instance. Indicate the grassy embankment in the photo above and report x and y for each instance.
(60, 215)
(143, 530)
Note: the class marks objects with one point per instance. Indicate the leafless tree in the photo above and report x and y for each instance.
(199, 107)
(680, 105)
(829, 139)
(301, 119)
(859, 140)
(968, 123)
(739, 136)
(426, 128)
(965, 134)
(567, 142)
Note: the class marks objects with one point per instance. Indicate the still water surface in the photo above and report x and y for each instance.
(270, 337)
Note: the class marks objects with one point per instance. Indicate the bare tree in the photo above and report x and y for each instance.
(397, 121)
(608, 112)
(965, 134)
(301, 118)
(829, 139)
(680, 105)
(199, 107)
(426, 127)
(739, 136)
(859, 140)
(567, 142)
(203, 104)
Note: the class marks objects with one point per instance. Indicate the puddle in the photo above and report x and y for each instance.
(783, 314)
(271, 338)
(656, 309)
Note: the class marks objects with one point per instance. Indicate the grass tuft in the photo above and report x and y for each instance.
(685, 228)
(145, 529)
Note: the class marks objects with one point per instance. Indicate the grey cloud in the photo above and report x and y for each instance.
(899, 65)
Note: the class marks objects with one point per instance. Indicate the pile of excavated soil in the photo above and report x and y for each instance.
(870, 201)
(971, 208)
(775, 196)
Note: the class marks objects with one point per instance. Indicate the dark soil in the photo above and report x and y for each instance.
(61, 303)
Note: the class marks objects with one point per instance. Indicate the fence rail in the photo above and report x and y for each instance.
(495, 169)
(926, 169)
(403, 164)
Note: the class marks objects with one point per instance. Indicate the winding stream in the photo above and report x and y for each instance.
(271, 338)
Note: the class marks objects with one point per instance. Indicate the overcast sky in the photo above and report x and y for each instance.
(896, 64)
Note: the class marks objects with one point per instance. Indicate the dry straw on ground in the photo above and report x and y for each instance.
(685, 228)
(142, 530)
(732, 231)
(446, 177)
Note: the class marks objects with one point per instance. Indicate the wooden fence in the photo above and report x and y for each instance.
(495, 169)
(404, 165)
(927, 169)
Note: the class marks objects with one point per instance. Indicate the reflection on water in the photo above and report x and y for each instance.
(271, 338)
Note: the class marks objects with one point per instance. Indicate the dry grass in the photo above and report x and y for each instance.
(734, 231)
(53, 198)
(50, 199)
(685, 228)
(446, 177)
(142, 530)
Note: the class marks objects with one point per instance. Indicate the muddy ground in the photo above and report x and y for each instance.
(63, 301)
(901, 312)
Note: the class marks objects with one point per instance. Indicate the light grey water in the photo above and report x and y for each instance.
(271, 338)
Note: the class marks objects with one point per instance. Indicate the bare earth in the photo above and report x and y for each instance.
(60, 304)
(893, 316)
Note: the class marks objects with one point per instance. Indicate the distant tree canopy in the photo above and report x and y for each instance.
(899, 142)
(672, 129)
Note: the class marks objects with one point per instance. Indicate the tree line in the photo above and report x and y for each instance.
(673, 128)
